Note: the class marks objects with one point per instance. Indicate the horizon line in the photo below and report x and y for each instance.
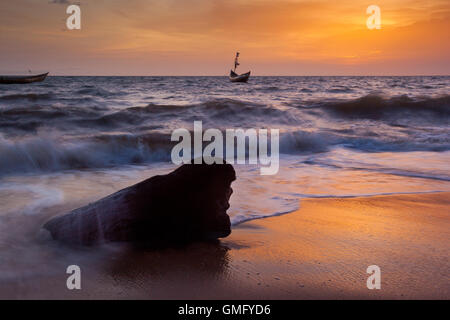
(253, 76)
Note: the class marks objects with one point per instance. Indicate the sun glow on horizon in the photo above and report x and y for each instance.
(197, 37)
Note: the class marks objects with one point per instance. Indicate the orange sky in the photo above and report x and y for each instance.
(200, 37)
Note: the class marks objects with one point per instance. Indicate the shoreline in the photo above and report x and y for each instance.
(320, 251)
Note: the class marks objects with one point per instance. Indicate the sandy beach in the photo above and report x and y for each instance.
(320, 251)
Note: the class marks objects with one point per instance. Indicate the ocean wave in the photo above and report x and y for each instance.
(220, 111)
(238, 109)
(300, 142)
(377, 107)
(46, 154)
(340, 89)
(27, 96)
(269, 89)
(99, 150)
(31, 119)
(39, 112)
(52, 153)
(99, 92)
(307, 142)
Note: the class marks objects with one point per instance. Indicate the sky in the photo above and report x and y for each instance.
(200, 37)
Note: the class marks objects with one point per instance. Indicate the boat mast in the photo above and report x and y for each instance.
(236, 63)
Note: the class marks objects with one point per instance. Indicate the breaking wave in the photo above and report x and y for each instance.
(46, 154)
(377, 107)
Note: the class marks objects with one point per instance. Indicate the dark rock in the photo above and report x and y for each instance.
(185, 205)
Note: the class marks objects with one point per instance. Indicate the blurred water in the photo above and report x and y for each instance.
(71, 140)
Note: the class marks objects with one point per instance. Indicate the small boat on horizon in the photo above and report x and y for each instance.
(234, 77)
(23, 79)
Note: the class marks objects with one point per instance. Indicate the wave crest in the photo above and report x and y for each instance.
(377, 107)
(45, 154)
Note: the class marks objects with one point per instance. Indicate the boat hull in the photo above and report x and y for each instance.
(234, 77)
(22, 79)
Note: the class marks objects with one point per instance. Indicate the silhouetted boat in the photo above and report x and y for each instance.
(234, 77)
(22, 79)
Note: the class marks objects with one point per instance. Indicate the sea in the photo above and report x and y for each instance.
(69, 141)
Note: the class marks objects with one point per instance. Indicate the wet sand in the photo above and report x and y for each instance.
(320, 251)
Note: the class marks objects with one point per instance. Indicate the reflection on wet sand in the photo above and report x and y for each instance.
(320, 251)
(208, 259)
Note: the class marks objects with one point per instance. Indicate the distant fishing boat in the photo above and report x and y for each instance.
(234, 77)
(22, 79)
